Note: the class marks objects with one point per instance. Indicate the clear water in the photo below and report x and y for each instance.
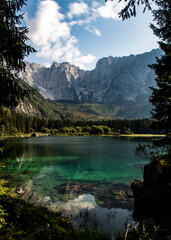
(73, 174)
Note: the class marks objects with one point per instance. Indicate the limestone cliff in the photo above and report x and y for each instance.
(114, 79)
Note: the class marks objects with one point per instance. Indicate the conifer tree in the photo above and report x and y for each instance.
(130, 8)
(13, 49)
(161, 95)
(152, 197)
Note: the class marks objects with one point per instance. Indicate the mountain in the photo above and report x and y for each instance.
(114, 79)
(117, 79)
(118, 87)
(54, 83)
(36, 105)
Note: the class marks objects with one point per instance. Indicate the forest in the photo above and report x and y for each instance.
(14, 123)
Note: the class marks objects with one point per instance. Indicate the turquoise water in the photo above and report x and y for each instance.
(79, 158)
(90, 159)
(62, 170)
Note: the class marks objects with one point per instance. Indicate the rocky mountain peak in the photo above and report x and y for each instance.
(113, 80)
(55, 65)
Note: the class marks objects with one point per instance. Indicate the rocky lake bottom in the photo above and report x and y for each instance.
(85, 178)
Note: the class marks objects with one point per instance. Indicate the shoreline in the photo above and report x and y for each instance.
(142, 135)
(77, 135)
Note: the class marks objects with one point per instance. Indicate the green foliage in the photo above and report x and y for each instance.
(78, 129)
(14, 123)
(145, 234)
(86, 129)
(3, 214)
(152, 196)
(7, 192)
(130, 8)
(97, 130)
(12, 48)
(12, 51)
(161, 96)
(128, 131)
(45, 130)
(106, 130)
(10, 89)
(150, 151)
(75, 111)
(54, 131)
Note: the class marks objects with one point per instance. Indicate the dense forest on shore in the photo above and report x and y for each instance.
(13, 123)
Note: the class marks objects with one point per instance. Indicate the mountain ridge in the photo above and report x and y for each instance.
(113, 79)
(119, 84)
(34, 104)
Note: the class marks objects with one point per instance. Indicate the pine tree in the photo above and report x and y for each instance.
(152, 197)
(130, 8)
(13, 49)
(161, 96)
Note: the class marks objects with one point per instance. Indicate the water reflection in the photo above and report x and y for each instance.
(84, 211)
(78, 173)
(78, 158)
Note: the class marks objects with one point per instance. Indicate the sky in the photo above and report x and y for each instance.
(82, 31)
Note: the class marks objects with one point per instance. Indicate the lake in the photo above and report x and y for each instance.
(87, 178)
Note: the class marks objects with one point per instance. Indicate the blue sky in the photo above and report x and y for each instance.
(83, 31)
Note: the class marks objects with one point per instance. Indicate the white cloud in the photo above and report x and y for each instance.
(77, 9)
(47, 24)
(92, 29)
(51, 35)
(47, 64)
(50, 30)
(109, 10)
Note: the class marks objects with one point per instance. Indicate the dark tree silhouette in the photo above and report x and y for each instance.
(161, 95)
(152, 197)
(13, 49)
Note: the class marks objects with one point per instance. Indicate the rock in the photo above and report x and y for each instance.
(55, 83)
(45, 201)
(114, 79)
(26, 108)
(20, 191)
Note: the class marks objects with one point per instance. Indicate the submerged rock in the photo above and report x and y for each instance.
(115, 195)
(19, 191)
(45, 201)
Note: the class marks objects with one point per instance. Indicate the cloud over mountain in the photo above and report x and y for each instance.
(51, 30)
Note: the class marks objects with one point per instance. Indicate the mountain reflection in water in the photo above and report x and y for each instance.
(84, 211)
(78, 175)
